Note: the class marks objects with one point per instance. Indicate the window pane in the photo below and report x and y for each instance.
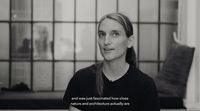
(21, 41)
(63, 73)
(85, 42)
(150, 69)
(148, 42)
(64, 10)
(43, 10)
(166, 39)
(21, 9)
(99, 56)
(80, 65)
(161, 66)
(42, 76)
(4, 41)
(130, 8)
(21, 73)
(85, 10)
(135, 38)
(4, 9)
(4, 68)
(149, 10)
(42, 41)
(105, 6)
(64, 41)
(169, 10)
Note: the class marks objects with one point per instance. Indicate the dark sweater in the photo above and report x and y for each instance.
(135, 91)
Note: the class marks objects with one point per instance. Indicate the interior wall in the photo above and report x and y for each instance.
(189, 27)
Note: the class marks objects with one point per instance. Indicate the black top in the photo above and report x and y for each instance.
(135, 91)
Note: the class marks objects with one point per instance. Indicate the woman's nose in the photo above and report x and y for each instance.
(107, 40)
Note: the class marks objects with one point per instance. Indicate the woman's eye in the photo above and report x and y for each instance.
(115, 34)
(101, 35)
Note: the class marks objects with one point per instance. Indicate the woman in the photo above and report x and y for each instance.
(115, 84)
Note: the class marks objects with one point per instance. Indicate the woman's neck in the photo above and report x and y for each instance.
(114, 70)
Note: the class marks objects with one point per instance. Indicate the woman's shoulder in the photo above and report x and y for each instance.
(144, 78)
(85, 73)
(87, 70)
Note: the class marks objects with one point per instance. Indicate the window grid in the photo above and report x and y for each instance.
(138, 34)
(10, 46)
(53, 54)
(53, 22)
(96, 32)
(31, 45)
(158, 66)
(74, 36)
(117, 6)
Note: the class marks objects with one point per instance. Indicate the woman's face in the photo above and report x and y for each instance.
(112, 40)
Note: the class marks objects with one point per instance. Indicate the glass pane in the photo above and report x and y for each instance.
(42, 41)
(64, 10)
(148, 42)
(85, 10)
(4, 73)
(42, 76)
(161, 66)
(130, 8)
(43, 10)
(21, 9)
(135, 38)
(4, 9)
(150, 69)
(21, 41)
(63, 73)
(99, 56)
(85, 41)
(166, 39)
(4, 41)
(105, 6)
(169, 10)
(21, 73)
(149, 10)
(80, 65)
(64, 41)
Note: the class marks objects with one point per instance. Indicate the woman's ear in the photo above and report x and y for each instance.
(130, 41)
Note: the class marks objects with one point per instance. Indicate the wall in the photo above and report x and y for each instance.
(189, 33)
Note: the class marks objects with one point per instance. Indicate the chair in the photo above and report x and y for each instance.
(172, 79)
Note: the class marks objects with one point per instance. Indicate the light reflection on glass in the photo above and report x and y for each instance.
(64, 41)
(21, 73)
(21, 9)
(21, 41)
(42, 41)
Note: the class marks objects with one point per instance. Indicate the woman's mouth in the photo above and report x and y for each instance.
(108, 49)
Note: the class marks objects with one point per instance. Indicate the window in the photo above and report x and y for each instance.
(44, 42)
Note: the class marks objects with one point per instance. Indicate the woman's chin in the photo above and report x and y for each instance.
(109, 58)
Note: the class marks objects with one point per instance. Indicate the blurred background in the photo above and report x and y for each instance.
(44, 42)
